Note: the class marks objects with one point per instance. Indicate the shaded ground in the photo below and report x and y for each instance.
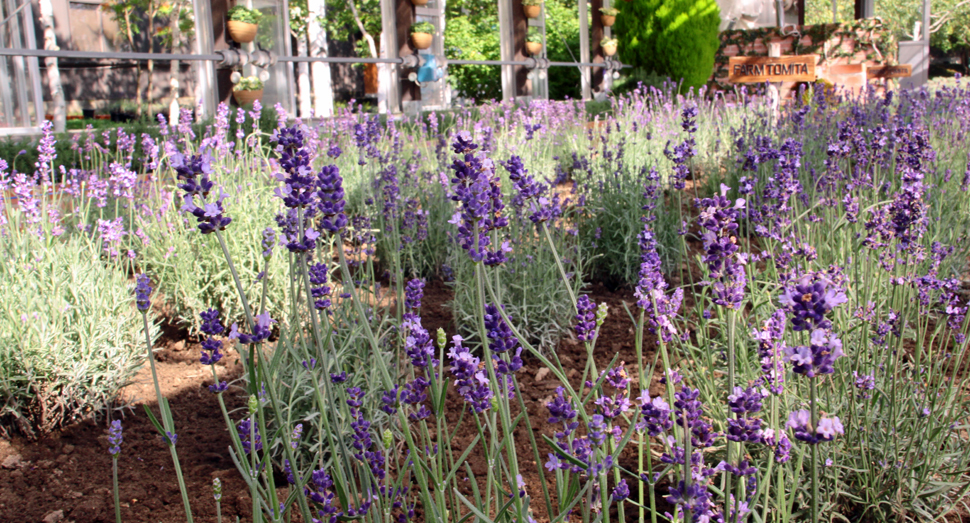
(67, 477)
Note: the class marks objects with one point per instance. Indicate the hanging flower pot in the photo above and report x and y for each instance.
(247, 91)
(534, 48)
(609, 46)
(243, 24)
(419, 3)
(608, 16)
(422, 35)
(532, 8)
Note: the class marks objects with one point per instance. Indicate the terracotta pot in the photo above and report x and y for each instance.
(371, 80)
(532, 11)
(609, 49)
(534, 48)
(608, 20)
(242, 32)
(422, 41)
(419, 3)
(244, 98)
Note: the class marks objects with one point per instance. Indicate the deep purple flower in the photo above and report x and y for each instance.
(143, 291)
(471, 382)
(115, 438)
(800, 422)
(249, 433)
(479, 193)
(655, 414)
(413, 293)
(531, 194)
(809, 298)
(211, 323)
(819, 357)
(219, 387)
(865, 383)
(329, 185)
(320, 291)
(585, 319)
(621, 491)
(725, 264)
(261, 330)
(771, 348)
(500, 337)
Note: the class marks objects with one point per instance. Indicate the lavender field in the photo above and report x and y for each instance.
(798, 288)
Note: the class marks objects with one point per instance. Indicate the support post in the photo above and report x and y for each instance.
(520, 29)
(388, 86)
(322, 83)
(409, 91)
(205, 88)
(598, 74)
(865, 9)
(506, 47)
(584, 72)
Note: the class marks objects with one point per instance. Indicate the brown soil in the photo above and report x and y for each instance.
(67, 475)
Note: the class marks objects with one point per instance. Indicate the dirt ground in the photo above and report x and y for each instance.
(67, 476)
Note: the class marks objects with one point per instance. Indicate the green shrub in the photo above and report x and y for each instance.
(422, 27)
(675, 38)
(248, 83)
(242, 14)
(70, 336)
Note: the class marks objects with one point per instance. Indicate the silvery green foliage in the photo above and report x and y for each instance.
(70, 336)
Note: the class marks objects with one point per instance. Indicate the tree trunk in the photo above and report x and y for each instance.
(322, 83)
(53, 72)
(303, 77)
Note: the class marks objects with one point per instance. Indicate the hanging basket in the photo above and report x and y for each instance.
(609, 49)
(422, 41)
(419, 3)
(534, 48)
(532, 11)
(245, 98)
(242, 32)
(608, 20)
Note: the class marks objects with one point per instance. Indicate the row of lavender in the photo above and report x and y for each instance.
(838, 254)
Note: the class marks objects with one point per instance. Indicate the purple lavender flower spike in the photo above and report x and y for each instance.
(819, 357)
(500, 337)
(471, 381)
(413, 293)
(143, 291)
(115, 438)
(478, 191)
(320, 291)
(620, 492)
(330, 192)
(246, 432)
(585, 319)
(725, 264)
(809, 299)
(800, 422)
(217, 388)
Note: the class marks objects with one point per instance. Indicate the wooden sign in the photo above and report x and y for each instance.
(890, 71)
(758, 69)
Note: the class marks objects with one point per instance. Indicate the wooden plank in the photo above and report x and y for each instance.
(758, 69)
(842, 69)
(890, 71)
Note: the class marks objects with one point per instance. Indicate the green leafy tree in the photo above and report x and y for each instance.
(674, 38)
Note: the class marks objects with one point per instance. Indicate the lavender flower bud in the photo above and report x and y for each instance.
(601, 312)
(115, 438)
(442, 338)
(143, 290)
(253, 404)
(217, 489)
